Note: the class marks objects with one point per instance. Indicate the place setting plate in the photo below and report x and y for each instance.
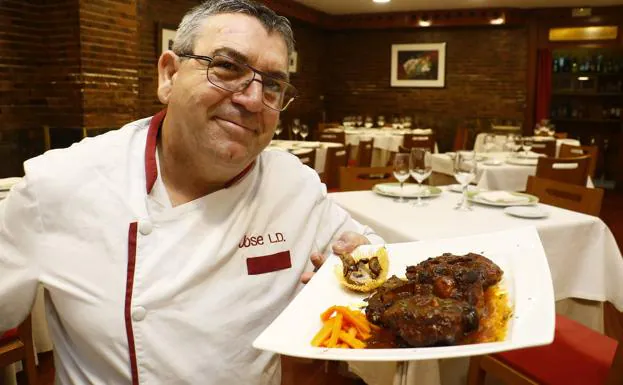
(503, 198)
(410, 190)
(526, 280)
(528, 212)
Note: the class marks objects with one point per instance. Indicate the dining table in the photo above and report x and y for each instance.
(499, 141)
(585, 263)
(386, 140)
(506, 171)
(299, 147)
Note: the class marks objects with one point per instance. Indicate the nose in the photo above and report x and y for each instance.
(251, 97)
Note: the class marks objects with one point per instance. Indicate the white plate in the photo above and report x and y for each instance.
(532, 200)
(526, 277)
(532, 212)
(411, 190)
(522, 161)
(457, 188)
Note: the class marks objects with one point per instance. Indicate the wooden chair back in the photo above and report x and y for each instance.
(324, 126)
(364, 153)
(337, 157)
(547, 147)
(364, 178)
(308, 158)
(561, 135)
(568, 170)
(568, 196)
(21, 348)
(412, 140)
(570, 151)
(332, 137)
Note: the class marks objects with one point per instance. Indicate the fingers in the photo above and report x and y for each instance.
(317, 260)
(348, 242)
(306, 276)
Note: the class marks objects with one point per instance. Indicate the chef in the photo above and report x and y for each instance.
(167, 246)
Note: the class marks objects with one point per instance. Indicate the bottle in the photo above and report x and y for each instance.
(555, 65)
(599, 66)
(574, 66)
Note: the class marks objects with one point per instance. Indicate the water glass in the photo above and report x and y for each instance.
(401, 172)
(304, 131)
(464, 172)
(420, 169)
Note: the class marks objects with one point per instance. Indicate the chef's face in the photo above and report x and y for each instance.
(218, 125)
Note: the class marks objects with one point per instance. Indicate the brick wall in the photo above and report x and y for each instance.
(109, 62)
(485, 76)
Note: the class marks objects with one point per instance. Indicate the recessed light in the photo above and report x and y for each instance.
(381, 1)
(583, 78)
(424, 23)
(498, 20)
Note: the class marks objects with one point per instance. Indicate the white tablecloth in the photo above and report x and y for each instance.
(479, 144)
(508, 177)
(583, 255)
(387, 139)
(296, 145)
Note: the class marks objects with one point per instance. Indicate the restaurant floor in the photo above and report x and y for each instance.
(300, 372)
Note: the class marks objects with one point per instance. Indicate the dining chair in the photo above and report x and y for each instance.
(364, 178)
(460, 138)
(568, 196)
(570, 151)
(17, 345)
(561, 135)
(324, 126)
(568, 170)
(308, 158)
(412, 140)
(336, 158)
(547, 147)
(578, 356)
(364, 152)
(332, 137)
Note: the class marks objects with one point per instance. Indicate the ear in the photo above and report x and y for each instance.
(168, 64)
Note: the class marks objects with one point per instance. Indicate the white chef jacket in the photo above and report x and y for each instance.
(139, 292)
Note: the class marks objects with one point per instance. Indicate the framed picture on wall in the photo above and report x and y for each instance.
(418, 65)
(166, 35)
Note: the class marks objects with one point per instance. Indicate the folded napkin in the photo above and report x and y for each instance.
(7, 183)
(531, 155)
(502, 197)
(409, 189)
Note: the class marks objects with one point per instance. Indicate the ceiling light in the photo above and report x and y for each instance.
(424, 23)
(381, 1)
(583, 78)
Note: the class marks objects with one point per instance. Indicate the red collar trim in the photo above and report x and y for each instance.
(151, 168)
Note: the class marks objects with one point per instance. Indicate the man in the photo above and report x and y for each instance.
(167, 246)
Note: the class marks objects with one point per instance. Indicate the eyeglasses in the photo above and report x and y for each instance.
(234, 76)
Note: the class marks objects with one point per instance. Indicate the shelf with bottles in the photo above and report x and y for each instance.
(573, 111)
(585, 62)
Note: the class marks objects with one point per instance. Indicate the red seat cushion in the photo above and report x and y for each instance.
(578, 356)
(8, 335)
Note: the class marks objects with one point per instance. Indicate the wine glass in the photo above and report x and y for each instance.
(359, 121)
(509, 143)
(464, 173)
(489, 142)
(401, 172)
(304, 131)
(296, 127)
(526, 145)
(278, 129)
(420, 169)
(369, 122)
(380, 121)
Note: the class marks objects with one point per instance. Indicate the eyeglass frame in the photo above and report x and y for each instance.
(255, 72)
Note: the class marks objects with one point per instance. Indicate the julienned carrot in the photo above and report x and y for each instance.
(352, 341)
(335, 331)
(324, 333)
(354, 320)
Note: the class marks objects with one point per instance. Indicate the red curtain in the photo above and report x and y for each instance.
(543, 84)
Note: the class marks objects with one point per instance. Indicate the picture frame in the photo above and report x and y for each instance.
(418, 65)
(165, 38)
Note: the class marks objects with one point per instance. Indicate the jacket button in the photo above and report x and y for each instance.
(139, 313)
(145, 227)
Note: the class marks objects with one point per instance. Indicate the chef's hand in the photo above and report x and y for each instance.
(347, 242)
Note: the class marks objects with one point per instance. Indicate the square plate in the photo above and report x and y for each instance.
(526, 278)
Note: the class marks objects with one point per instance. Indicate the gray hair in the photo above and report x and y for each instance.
(191, 23)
